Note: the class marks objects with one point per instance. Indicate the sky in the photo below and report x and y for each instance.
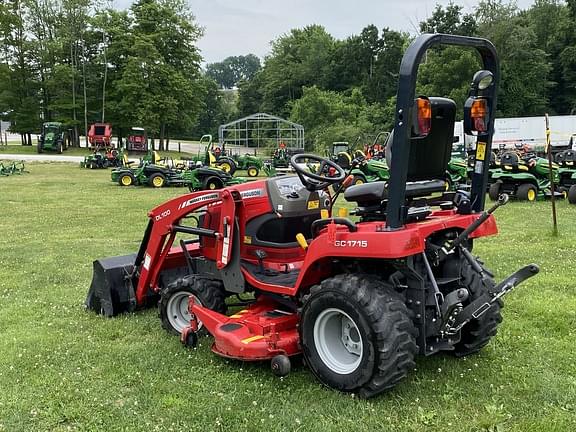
(240, 27)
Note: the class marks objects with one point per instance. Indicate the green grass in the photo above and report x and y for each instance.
(62, 368)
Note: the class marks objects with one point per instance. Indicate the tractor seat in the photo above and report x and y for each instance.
(375, 192)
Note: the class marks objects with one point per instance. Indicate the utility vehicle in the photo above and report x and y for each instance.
(357, 299)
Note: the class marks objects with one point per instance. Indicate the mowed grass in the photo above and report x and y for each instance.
(63, 368)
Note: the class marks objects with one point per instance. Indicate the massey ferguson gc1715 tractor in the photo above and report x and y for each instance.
(358, 299)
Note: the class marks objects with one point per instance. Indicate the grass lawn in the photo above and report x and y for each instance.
(62, 368)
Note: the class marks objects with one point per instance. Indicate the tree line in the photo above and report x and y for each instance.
(81, 61)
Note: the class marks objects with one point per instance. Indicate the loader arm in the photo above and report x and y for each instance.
(163, 226)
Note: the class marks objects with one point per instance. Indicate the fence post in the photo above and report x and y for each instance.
(179, 150)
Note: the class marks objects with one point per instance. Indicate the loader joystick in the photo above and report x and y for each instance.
(319, 180)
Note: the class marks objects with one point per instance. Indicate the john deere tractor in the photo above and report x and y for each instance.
(54, 137)
(522, 176)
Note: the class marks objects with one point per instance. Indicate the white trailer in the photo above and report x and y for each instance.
(508, 132)
(531, 131)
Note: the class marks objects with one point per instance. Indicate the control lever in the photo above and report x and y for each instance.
(261, 254)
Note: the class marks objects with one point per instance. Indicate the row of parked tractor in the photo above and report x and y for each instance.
(213, 168)
(520, 173)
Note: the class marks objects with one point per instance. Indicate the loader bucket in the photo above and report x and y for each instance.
(112, 291)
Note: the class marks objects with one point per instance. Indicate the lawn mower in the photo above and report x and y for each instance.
(103, 159)
(357, 299)
(567, 174)
(54, 137)
(156, 174)
(523, 176)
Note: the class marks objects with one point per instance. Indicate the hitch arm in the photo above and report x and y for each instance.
(481, 305)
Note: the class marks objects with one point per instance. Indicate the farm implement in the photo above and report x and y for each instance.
(357, 299)
(12, 167)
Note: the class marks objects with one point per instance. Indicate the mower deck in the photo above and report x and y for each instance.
(260, 332)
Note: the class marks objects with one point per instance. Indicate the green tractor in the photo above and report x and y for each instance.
(567, 174)
(53, 138)
(522, 176)
(224, 159)
(369, 170)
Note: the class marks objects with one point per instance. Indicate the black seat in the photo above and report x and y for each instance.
(510, 158)
(370, 193)
(428, 160)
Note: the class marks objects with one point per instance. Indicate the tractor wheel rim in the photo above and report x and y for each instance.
(158, 181)
(126, 180)
(212, 186)
(359, 182)
(177, 310)
(225, 167)
(337, 341)
(252, 172)
(531, 195)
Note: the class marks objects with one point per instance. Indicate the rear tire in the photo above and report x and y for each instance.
(572, 194)
(526, 192)
(494, 191)
(357, 335)
(173, 304)
(227, 165)
(477, 333)
(212, 183)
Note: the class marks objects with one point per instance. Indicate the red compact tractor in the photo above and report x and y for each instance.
(99, 136)
(358, 299)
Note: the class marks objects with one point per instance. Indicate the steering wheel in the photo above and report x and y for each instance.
(312, 181)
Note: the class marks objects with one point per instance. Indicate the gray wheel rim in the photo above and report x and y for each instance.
(337, 341)
(177, 310)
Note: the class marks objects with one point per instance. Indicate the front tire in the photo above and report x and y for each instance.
(494, 191)
(358, 180)
(157, 180)
(127, 179)
(212, 183)
(357, 335)
(527, 192)
(173, 304)
(572, 194)
(253, 171)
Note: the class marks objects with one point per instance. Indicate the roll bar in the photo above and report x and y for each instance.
(403, 121)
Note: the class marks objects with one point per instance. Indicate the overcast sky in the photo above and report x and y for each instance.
(239, 27)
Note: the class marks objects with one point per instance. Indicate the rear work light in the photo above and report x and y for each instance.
(479, 115)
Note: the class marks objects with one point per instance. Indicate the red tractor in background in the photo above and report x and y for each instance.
(137, 140)
(99, 136)
(357, 298)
